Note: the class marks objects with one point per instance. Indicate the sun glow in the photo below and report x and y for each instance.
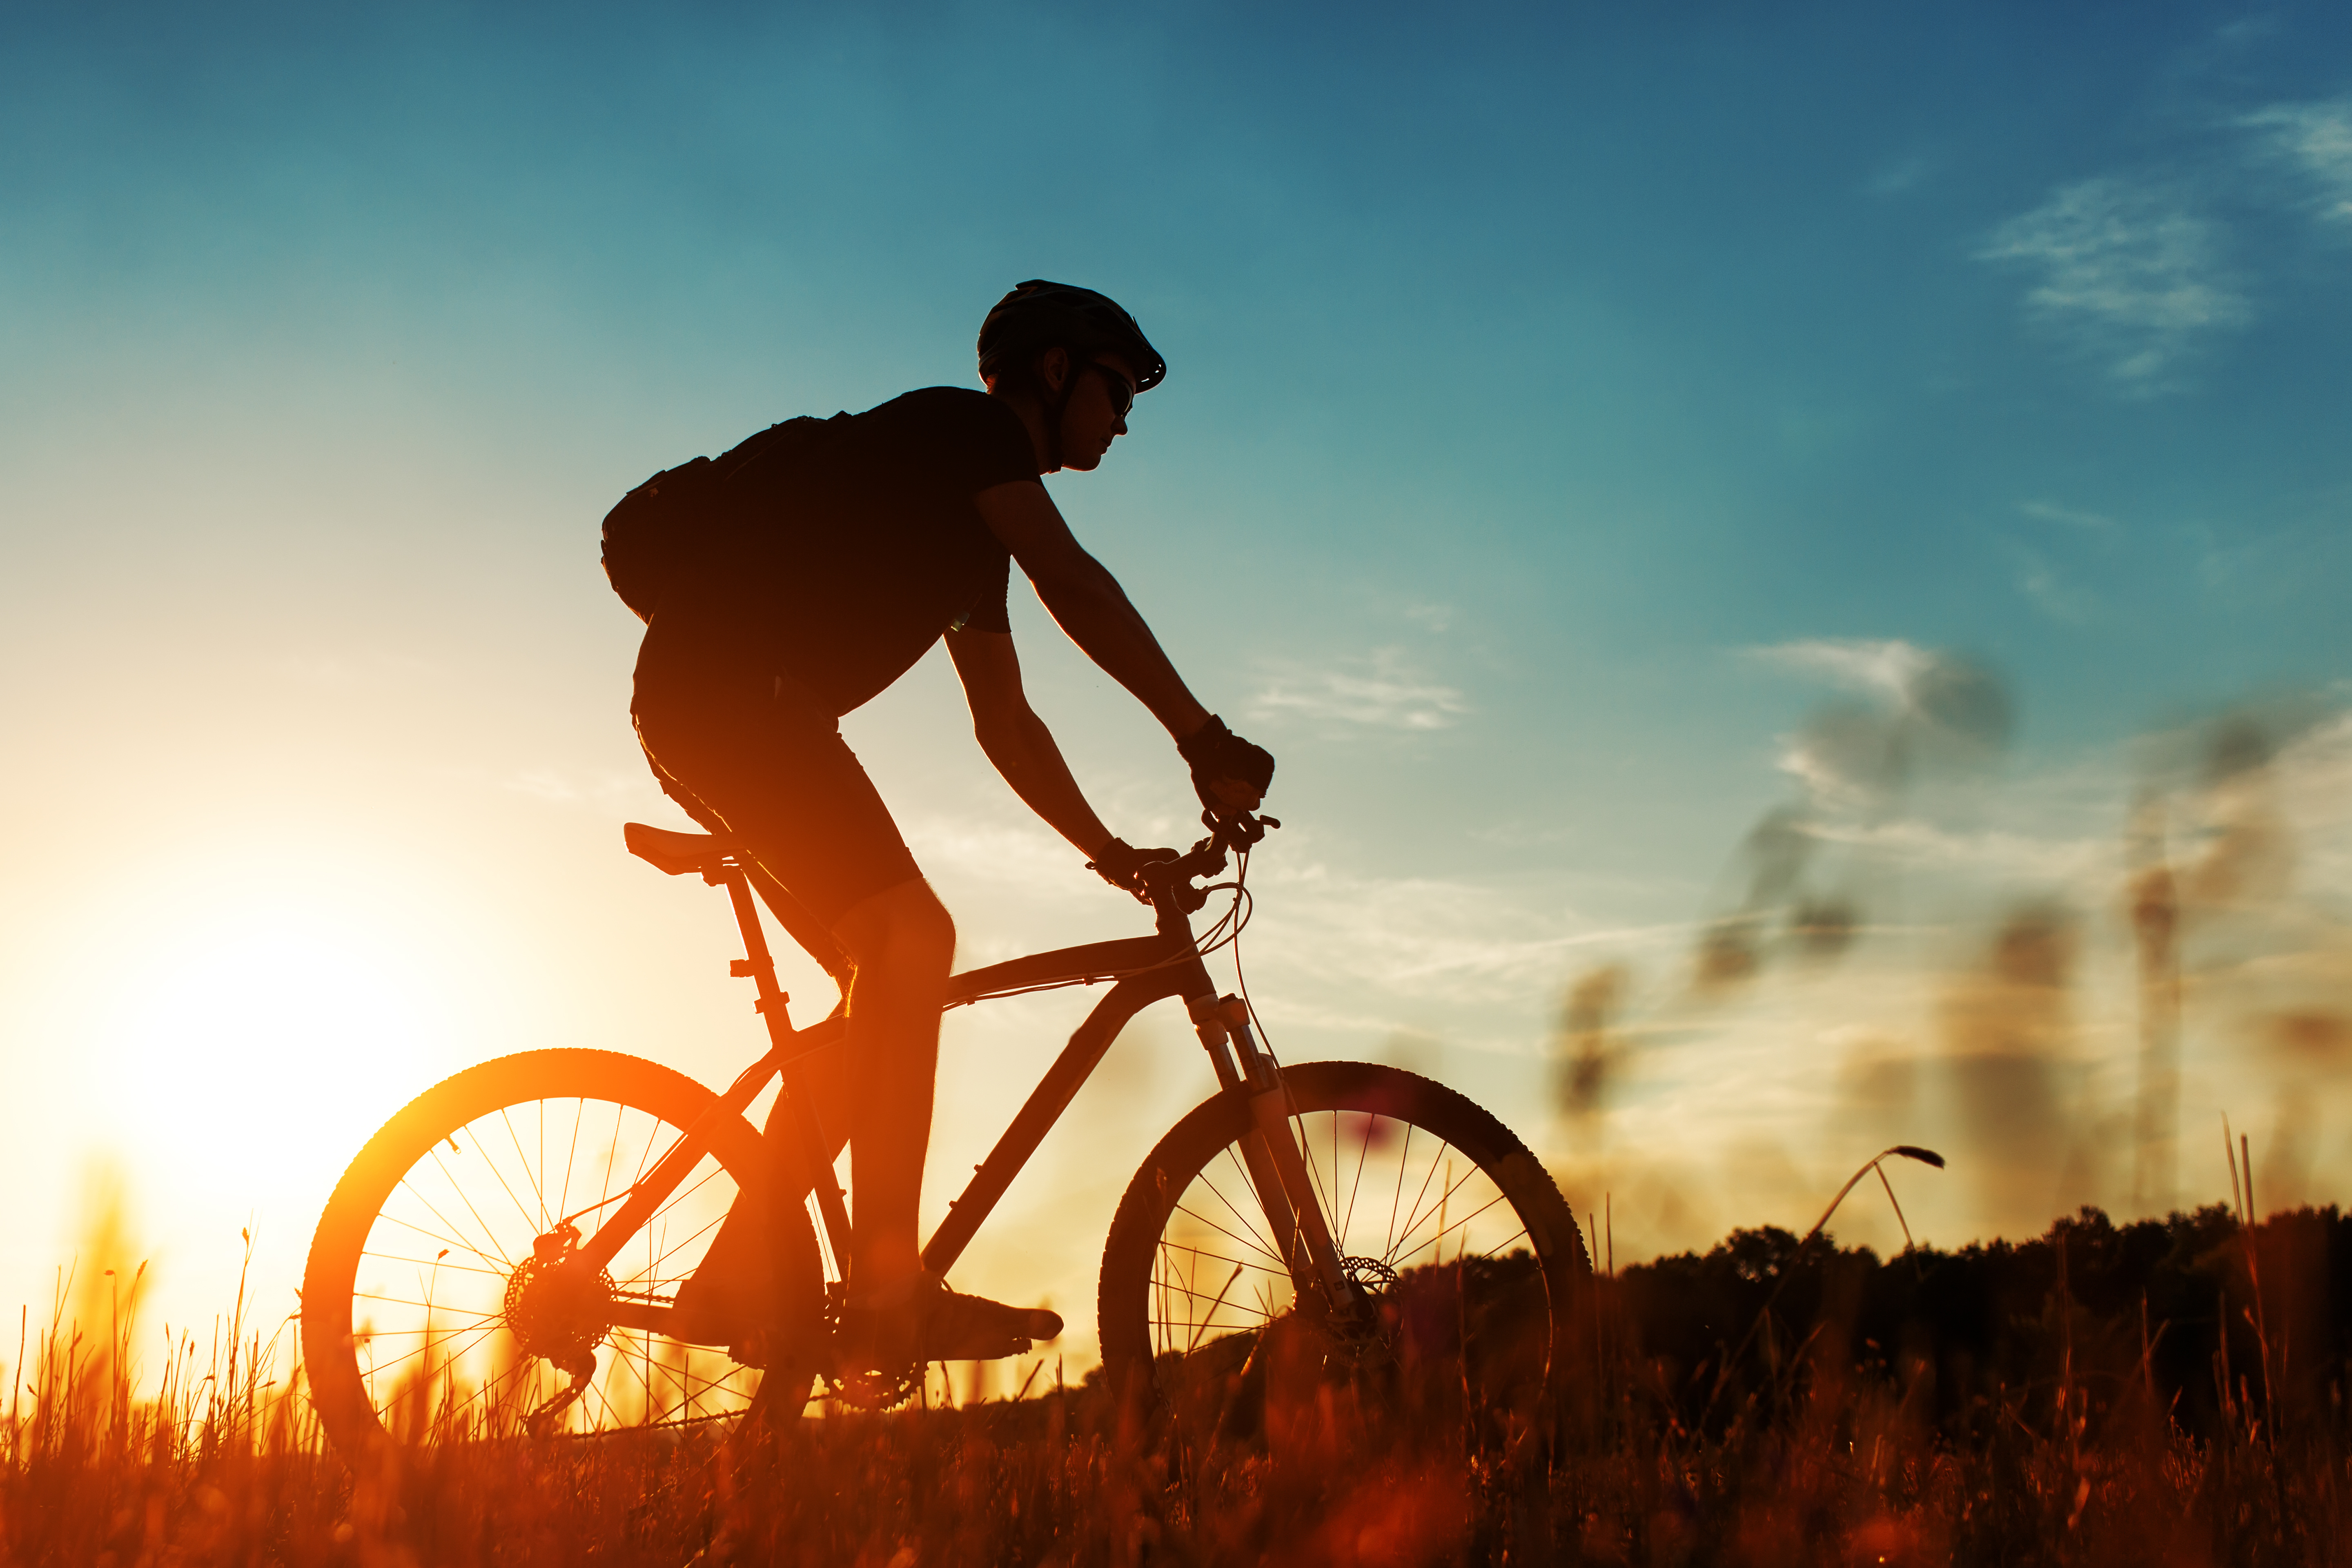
(289, 1024)
(228, 1029)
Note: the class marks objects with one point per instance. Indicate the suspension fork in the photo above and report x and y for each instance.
(1285, 1188)
(1270, 1150)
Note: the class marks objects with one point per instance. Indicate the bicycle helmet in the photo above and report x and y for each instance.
(1039, 315)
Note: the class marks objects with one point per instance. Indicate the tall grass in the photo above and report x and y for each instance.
(1869, 1420)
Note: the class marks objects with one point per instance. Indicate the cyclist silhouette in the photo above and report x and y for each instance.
(847, 562)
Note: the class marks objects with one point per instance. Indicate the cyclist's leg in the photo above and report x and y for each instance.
(748, 756)
(902, 944)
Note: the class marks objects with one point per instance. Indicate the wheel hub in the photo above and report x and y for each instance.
(558, 1305)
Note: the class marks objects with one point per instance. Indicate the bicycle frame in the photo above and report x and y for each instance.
(1143, 970)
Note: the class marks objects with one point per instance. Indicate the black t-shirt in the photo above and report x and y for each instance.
(843, 565)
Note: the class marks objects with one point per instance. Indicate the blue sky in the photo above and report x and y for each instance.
(1561, 409)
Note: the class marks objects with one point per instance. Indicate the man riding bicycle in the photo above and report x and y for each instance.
(898, 527)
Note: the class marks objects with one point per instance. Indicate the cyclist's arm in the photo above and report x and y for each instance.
(1017, 741)
(1087, 602)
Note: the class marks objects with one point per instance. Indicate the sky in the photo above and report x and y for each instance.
(1749, 536)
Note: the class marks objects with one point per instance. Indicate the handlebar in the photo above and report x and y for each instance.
(1168, 883)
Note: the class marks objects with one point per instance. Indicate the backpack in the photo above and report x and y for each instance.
(665, 524)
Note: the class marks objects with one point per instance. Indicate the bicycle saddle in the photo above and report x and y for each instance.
(675, 853)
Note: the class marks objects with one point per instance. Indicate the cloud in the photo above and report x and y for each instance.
(2073, 517)
(1896, 176)
(1929, 707)
(1380, 692)
(1367, 945)
(1881, 668)
(2039, 581)
(2133, 275)
(606, 789)
(375, 671)
(2317, 138)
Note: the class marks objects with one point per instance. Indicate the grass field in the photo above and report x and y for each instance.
(2163, 1392)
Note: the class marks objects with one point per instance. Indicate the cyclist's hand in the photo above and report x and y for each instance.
(1120, 864)
(1228, 773)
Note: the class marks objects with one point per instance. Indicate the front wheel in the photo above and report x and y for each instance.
(1467, 1261)
(436, 1305)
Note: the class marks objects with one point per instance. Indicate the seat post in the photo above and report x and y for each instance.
(757, 965)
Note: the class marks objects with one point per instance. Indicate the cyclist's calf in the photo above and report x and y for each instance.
(903, 943)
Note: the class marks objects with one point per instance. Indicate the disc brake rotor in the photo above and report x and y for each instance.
(1364, 1336)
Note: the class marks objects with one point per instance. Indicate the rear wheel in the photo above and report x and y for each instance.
(1466, 1260)
(437, 1306)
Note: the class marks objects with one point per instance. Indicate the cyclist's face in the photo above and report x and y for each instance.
(1097, 412)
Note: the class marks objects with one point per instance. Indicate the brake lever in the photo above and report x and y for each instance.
(1239, 830)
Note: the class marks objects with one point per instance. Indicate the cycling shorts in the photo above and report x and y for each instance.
(752, 756)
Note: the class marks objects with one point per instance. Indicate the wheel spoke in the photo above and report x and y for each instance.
(1398, 1196)
(1363, 1153)
(465, 1197)
(1396, 1256)
(529, 1174)
(1280, 1266)
(1411, 1215)
(571, 1154)
(1434, 1210)
(528, 1224)
(451, 1242)
(448, 1356)
(444, 1267)
(1246, 1217)
(430, 1306)
(494, 1256)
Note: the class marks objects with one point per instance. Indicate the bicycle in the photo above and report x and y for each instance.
(463, 1282)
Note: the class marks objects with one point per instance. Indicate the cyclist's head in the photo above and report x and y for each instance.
(1039, 315)
(1077, 356)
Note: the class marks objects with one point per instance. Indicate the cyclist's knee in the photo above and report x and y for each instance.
(926, 933)
(905, 927)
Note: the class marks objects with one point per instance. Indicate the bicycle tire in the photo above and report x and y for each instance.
(1509, 1290)
(648, 1105)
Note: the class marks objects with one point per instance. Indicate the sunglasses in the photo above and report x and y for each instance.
(1122, 395)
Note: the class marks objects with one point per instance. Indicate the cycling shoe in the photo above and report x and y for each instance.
(935, 1324)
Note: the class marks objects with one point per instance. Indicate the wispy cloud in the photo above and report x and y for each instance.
(2316, 140)
(1383, 692)
(1896, 175)
(372, 672)
(605, 789)
(2039, 581)
(2127, 272)
(1886, 668)
(2073, 517)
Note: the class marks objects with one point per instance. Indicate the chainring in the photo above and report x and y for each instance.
(863, 1388)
